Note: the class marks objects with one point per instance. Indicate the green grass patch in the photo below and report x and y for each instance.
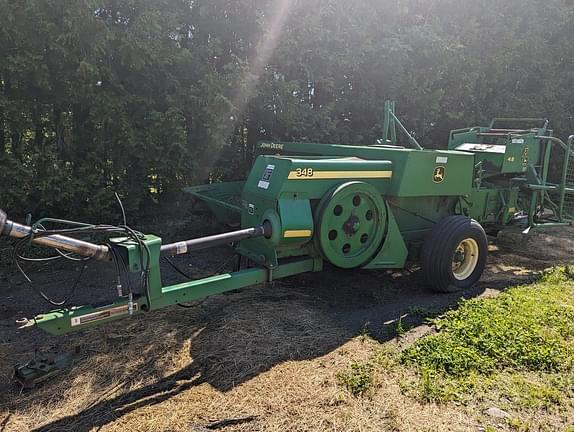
(361, 378)
(527, 327)
(519, 345)
(533, 391)
(358, 379)
(515, 351)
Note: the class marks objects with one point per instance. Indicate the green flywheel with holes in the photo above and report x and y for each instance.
(351, 224)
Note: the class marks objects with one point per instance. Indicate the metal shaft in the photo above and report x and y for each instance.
(102, 252)
(56, 241)
(214, 240)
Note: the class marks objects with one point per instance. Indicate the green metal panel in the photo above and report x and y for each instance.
(311, 177)
(296, 221)
(509, 157)
(510, 208)
(412, 170)
(64, 321)
(484, 205)
(433, 173)
(223, 199)
(280, 189)
(394, 252)
(493, 205)
(143, 259)
(415, 216)
(133, 253)
(516, 156)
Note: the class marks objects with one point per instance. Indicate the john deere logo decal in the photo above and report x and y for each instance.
(439, 174)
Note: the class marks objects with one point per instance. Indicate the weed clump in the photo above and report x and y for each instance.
(359, 379)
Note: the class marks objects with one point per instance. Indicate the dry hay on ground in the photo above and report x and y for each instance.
(268, 352)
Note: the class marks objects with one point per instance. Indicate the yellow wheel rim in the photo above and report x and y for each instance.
(465, 259)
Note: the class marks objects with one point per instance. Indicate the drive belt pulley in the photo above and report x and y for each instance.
(351, 223)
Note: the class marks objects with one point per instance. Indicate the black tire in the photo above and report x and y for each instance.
(444, 244)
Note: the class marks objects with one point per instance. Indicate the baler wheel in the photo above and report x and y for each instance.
(454, 254)
(351, 224)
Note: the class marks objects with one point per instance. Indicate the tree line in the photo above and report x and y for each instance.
(144, 97)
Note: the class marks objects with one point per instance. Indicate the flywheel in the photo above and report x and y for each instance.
(351, 223)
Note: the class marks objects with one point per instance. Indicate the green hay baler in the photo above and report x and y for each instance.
(370, 207)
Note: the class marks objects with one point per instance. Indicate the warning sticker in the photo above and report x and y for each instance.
(266, 178)
(441, 159)
(181, 248)
(101, 315)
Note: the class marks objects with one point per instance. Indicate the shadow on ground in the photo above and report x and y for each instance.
(236, 336)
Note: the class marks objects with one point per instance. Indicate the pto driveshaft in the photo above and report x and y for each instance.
(215, 240)
(102, 252)
(55, 241)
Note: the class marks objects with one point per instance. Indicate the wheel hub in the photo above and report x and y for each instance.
(352, 225)
(465, 258)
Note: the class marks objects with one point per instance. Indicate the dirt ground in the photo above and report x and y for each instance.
(266, 356)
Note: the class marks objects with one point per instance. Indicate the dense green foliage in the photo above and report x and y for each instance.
(517, 347)
(524, 328)
(144, 97)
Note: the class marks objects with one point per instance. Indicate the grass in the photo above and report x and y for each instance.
(400, 327)
(514, 351)
(359, 378)
(527, 329)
